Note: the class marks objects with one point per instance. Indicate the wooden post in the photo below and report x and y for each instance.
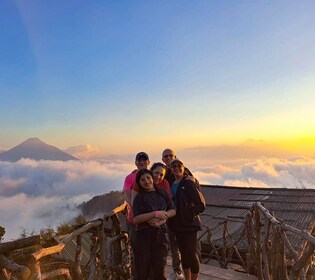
(127, 257)
(258, 245)
(279, 269)
(265, 251)
(116, 231)
(103, 255)
(250, 256)
(94, 247)
(35, 271)
(78, 258)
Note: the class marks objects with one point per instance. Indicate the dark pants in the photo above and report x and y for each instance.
(176, 262)
(187, 244)
(151, 253)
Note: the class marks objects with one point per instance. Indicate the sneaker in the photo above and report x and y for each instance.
(176, 275)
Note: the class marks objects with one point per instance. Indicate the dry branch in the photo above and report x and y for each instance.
(258, 245)
(20, 243)
(307, 255)
(118, 209)
(46, 251)
(21, 271)
(293, 254)
(78, 258)
(55, 273)
(81, 230)
(303, 233)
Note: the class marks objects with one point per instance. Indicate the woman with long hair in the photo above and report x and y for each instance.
(151, 242)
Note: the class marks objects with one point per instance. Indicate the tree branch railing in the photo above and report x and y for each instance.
(270, 254)
(106, 246)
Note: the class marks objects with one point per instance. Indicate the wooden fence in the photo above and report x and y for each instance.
(270, 255)
(109, 254)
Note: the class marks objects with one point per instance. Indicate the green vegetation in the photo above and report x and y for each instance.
(2, 232)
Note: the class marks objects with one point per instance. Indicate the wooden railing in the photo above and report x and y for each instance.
(270, 254)
(109, 254)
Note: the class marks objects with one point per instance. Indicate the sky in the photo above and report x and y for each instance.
(124, 76)
(228, 84)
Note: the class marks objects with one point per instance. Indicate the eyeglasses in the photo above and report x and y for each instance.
(170, 156)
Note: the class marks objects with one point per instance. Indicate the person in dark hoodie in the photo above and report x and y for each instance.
(189, 202)
(167, 156)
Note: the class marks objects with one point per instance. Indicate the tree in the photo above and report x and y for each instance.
(2, 232)
(64, 228)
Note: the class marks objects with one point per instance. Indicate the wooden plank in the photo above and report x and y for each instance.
(224, 205)
(215, 273)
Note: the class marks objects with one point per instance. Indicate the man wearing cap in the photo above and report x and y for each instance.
(142, 161)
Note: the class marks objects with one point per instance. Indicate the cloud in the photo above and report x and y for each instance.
(263, 172)
(83, 151)
(35, 194)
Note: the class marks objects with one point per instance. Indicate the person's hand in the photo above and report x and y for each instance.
(161, 215)
(156, 222)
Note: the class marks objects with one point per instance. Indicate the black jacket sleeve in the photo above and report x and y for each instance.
(198, 200)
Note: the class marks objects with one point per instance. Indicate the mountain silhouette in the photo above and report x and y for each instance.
(36, 149)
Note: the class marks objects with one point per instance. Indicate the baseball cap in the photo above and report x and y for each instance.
(143, 155)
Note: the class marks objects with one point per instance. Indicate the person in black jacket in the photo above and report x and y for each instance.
(189, 203)
(167, 156)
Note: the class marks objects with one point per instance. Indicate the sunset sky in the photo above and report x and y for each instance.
(230, 85)
(125, 76)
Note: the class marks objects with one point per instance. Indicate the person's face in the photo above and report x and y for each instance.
(167, 157)
(177, 169)
(146, 182)
(158, 174)
(142, 163)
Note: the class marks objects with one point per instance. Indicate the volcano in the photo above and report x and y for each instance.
(36, 149)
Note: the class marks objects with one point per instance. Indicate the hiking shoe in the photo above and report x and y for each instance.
(176, 275)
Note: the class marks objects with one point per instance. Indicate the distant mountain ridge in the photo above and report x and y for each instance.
(36, 149)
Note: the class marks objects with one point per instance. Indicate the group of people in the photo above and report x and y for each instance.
(163, 206)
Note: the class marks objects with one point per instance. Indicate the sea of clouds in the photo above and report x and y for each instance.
(38, 194)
